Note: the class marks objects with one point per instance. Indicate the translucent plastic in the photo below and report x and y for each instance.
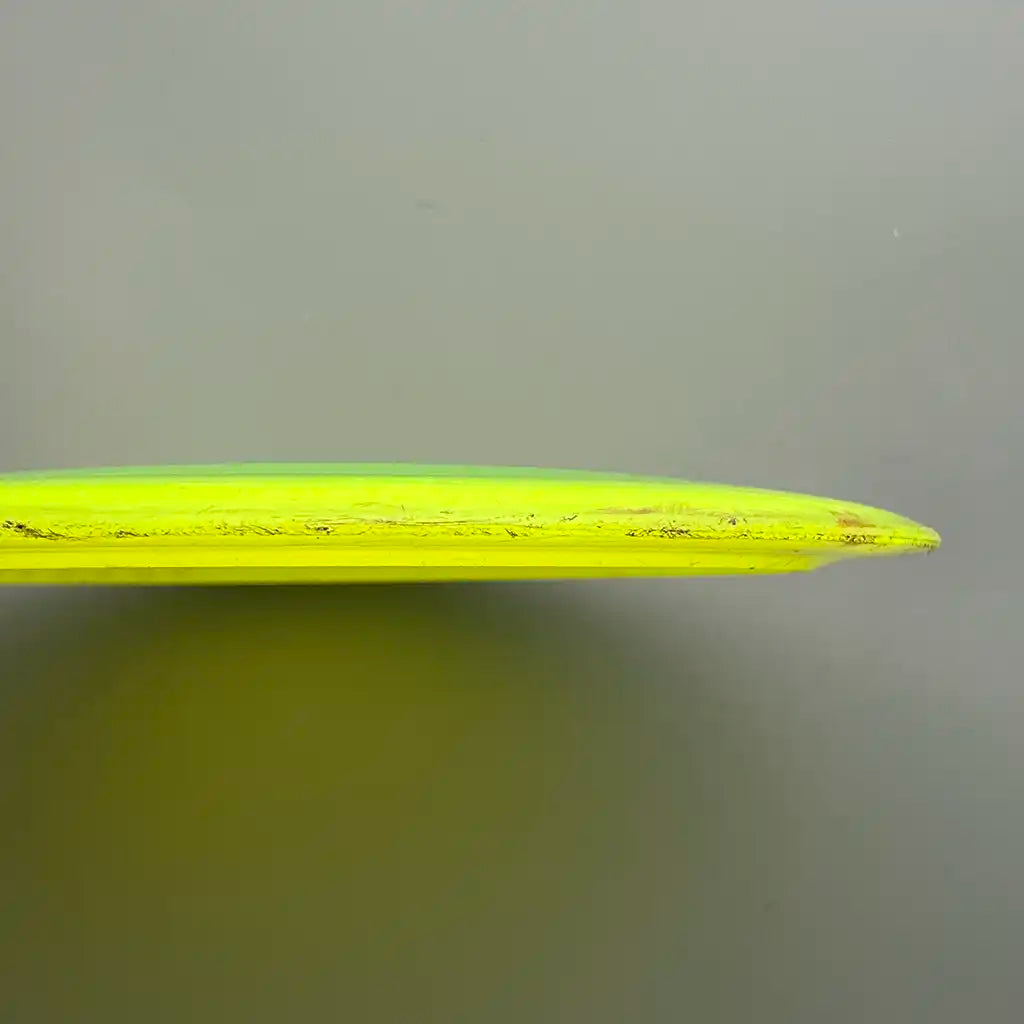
(276, 523)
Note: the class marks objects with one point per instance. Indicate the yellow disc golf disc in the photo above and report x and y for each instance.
(295, 523)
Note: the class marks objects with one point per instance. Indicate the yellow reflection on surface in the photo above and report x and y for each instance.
(284, 803)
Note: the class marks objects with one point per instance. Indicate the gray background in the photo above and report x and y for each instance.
(775, 244)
